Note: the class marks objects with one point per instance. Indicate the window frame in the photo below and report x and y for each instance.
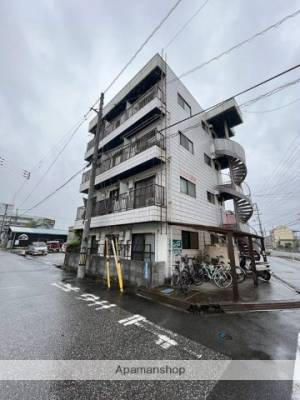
(207, 160)
(190, 187)
(190, 240)
(211, 198)
(184, 104)
(186, 142)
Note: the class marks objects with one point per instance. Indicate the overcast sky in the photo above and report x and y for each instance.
(57, 55)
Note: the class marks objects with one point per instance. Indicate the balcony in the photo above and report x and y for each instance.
(153, 98)
(142, 197)
(80, 213)
(140, 205)
(124, 160)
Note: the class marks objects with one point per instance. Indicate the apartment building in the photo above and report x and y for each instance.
(283, 237)
(159, 185)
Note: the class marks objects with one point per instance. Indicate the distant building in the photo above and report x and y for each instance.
(27, 220)
(283, 237)
(18, 236)
(12, 218)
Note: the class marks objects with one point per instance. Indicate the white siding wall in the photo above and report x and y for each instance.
(182, 207)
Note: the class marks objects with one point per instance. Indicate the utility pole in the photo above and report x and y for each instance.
(6, 207)
(89, 202)
(259, 220)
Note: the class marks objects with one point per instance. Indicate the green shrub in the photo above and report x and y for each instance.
(73, 246)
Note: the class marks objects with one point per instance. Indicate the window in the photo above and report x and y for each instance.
(114, 194)
(211, 197)
(213, 239)
(187, 187)
(184, 104)
(190, 240)
(205, 126)
(207, 160)
(186, 143)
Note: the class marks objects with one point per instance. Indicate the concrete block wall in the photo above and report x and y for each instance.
(133, 270)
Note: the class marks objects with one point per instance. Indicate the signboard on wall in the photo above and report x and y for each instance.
(176, 247)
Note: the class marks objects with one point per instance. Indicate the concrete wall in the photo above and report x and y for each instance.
(135, 272)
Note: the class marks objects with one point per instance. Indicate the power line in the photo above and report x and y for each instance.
(54, 161)
(143, 45)
(219, 103)
(274, 194)
(54, 192)
(185, 25)
(270, 93)
(273, 109)
(109, 86)
(176, 123)
(237, 45)
(233, 96)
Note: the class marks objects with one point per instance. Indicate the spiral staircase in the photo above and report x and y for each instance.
(230, 154)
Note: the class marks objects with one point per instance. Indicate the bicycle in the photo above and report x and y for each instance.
(180, 278)
(217, 274)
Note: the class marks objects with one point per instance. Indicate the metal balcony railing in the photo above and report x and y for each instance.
(80, 213)
(86, 176)
(142, 197)
(153, 92)
(150, 139)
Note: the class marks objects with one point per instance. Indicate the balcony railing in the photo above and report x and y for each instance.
(150, 139)
(90, 144)
(86, 176)
(153, 92)
(80, 213)
(142, 197)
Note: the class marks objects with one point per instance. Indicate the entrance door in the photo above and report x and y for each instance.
(143, 247)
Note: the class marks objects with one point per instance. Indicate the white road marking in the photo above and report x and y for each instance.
(88, 297)
(122, 321)
(66, 287)
(163, 337)
(132, 320)
(296, 382)
(91, 299)
(165, 342)
(106, 307)
(97, 303)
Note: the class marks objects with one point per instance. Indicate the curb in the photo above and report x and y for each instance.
(216, 308)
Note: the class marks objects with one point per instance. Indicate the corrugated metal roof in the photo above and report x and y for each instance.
(41, 231)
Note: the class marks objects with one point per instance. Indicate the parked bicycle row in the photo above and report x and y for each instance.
(190, 271)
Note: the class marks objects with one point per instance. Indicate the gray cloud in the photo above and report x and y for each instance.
(57, 56)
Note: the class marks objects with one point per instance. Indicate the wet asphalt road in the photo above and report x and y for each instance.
(42, 319)
(287, 270)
